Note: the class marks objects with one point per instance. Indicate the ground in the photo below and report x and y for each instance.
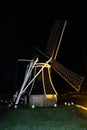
(61, 117)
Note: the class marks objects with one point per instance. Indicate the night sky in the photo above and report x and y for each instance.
(23, 28)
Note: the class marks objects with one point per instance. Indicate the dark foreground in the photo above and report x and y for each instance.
(59, 118)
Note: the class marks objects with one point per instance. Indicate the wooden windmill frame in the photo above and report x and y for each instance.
(48, 99)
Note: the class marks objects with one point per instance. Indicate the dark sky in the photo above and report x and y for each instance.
(22, 28)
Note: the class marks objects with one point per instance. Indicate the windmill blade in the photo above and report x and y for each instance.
(55, 38)
(72, 78)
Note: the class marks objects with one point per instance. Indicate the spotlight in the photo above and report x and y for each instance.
(15, 106)
(68, 104)
(9, 105)
(72, 103)
(65, 103)
(55, 105)
(33, 106)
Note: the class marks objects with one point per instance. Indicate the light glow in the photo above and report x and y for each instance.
(55, 105)
(72, 103)
(50, 96)
(15, 106)
(9, 105)
(33, 106)
(68, 104)
(82, 107)
(65, 103)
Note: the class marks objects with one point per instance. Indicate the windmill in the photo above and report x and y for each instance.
(41, 70)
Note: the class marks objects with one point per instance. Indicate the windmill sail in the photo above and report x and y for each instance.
(72, 78)
(75, 80)
(55, 38)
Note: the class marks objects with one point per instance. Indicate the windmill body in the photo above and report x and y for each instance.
(41, 71)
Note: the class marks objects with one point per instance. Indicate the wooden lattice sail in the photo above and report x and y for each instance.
(74, 79)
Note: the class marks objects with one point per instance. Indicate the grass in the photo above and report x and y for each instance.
(60, 118)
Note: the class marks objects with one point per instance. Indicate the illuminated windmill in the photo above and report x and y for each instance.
(40, 70)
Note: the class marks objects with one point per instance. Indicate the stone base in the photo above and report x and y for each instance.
(43, 100)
